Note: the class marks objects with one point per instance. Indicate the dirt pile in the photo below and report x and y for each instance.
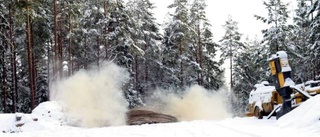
(138, 117)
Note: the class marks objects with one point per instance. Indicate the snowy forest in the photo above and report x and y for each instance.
(42, 41)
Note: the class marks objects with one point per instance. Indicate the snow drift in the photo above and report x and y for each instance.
(94, 98)
(196, 103)
(44, 116)
(306, 116)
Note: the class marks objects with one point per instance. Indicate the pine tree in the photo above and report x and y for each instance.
(176, 44)
(56, 51)
(197, 19)
(230, 44)
(314, 38)
(123, 46)
(42, 41)
(13, 59)
(252, 68)
(4, 25)
(40, 38)
(275, 37)
(147, 37)
(211, 68)
(209, 73)
(299, 39)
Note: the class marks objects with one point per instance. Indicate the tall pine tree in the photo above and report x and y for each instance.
(315, 39)
(275, 37)
(176, 46)
(231, 44)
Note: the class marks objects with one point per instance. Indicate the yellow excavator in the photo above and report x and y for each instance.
(284, 95)
(264, 100)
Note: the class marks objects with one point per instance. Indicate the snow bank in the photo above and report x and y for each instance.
(50, 111)
(94, 98)
(7, 122)
(305, 116)
(45, 116)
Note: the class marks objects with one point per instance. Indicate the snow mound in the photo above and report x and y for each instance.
(6, 120)
(50, 111)
(305, 116)
(45, 116)
(18, 122)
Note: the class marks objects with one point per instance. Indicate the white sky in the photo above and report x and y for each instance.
(241, 11)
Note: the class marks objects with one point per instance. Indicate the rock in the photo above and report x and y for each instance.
(20, 121)
(19, 124)
(35, 119)
(138, 117)
(18, 116)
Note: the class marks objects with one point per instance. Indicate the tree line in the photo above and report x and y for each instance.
(43, 41)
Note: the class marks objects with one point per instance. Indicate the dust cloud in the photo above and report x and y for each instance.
(94, 98)
(196, 103)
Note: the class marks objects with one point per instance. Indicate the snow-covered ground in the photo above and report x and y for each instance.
(47, 120)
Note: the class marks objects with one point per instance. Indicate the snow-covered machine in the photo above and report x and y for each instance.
(285, 95)
(264, 100)
(312, 87)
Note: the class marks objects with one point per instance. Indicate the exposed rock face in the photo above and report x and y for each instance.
(138, 117)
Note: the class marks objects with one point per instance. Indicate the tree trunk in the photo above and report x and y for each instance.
(29, 50)
(98, 54)
(56, 53)
(70, 65)
(48, 66)
(181, 65)
(4, 74)
(201, 65)
(106, 45)
(13, 62)
(106, 32)
(146, 73)
(199, 54)
(34, 68)
(146, 87)
(137, 72)
(85, 52)
(4, 84)
(231, 79)
(60, 50)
